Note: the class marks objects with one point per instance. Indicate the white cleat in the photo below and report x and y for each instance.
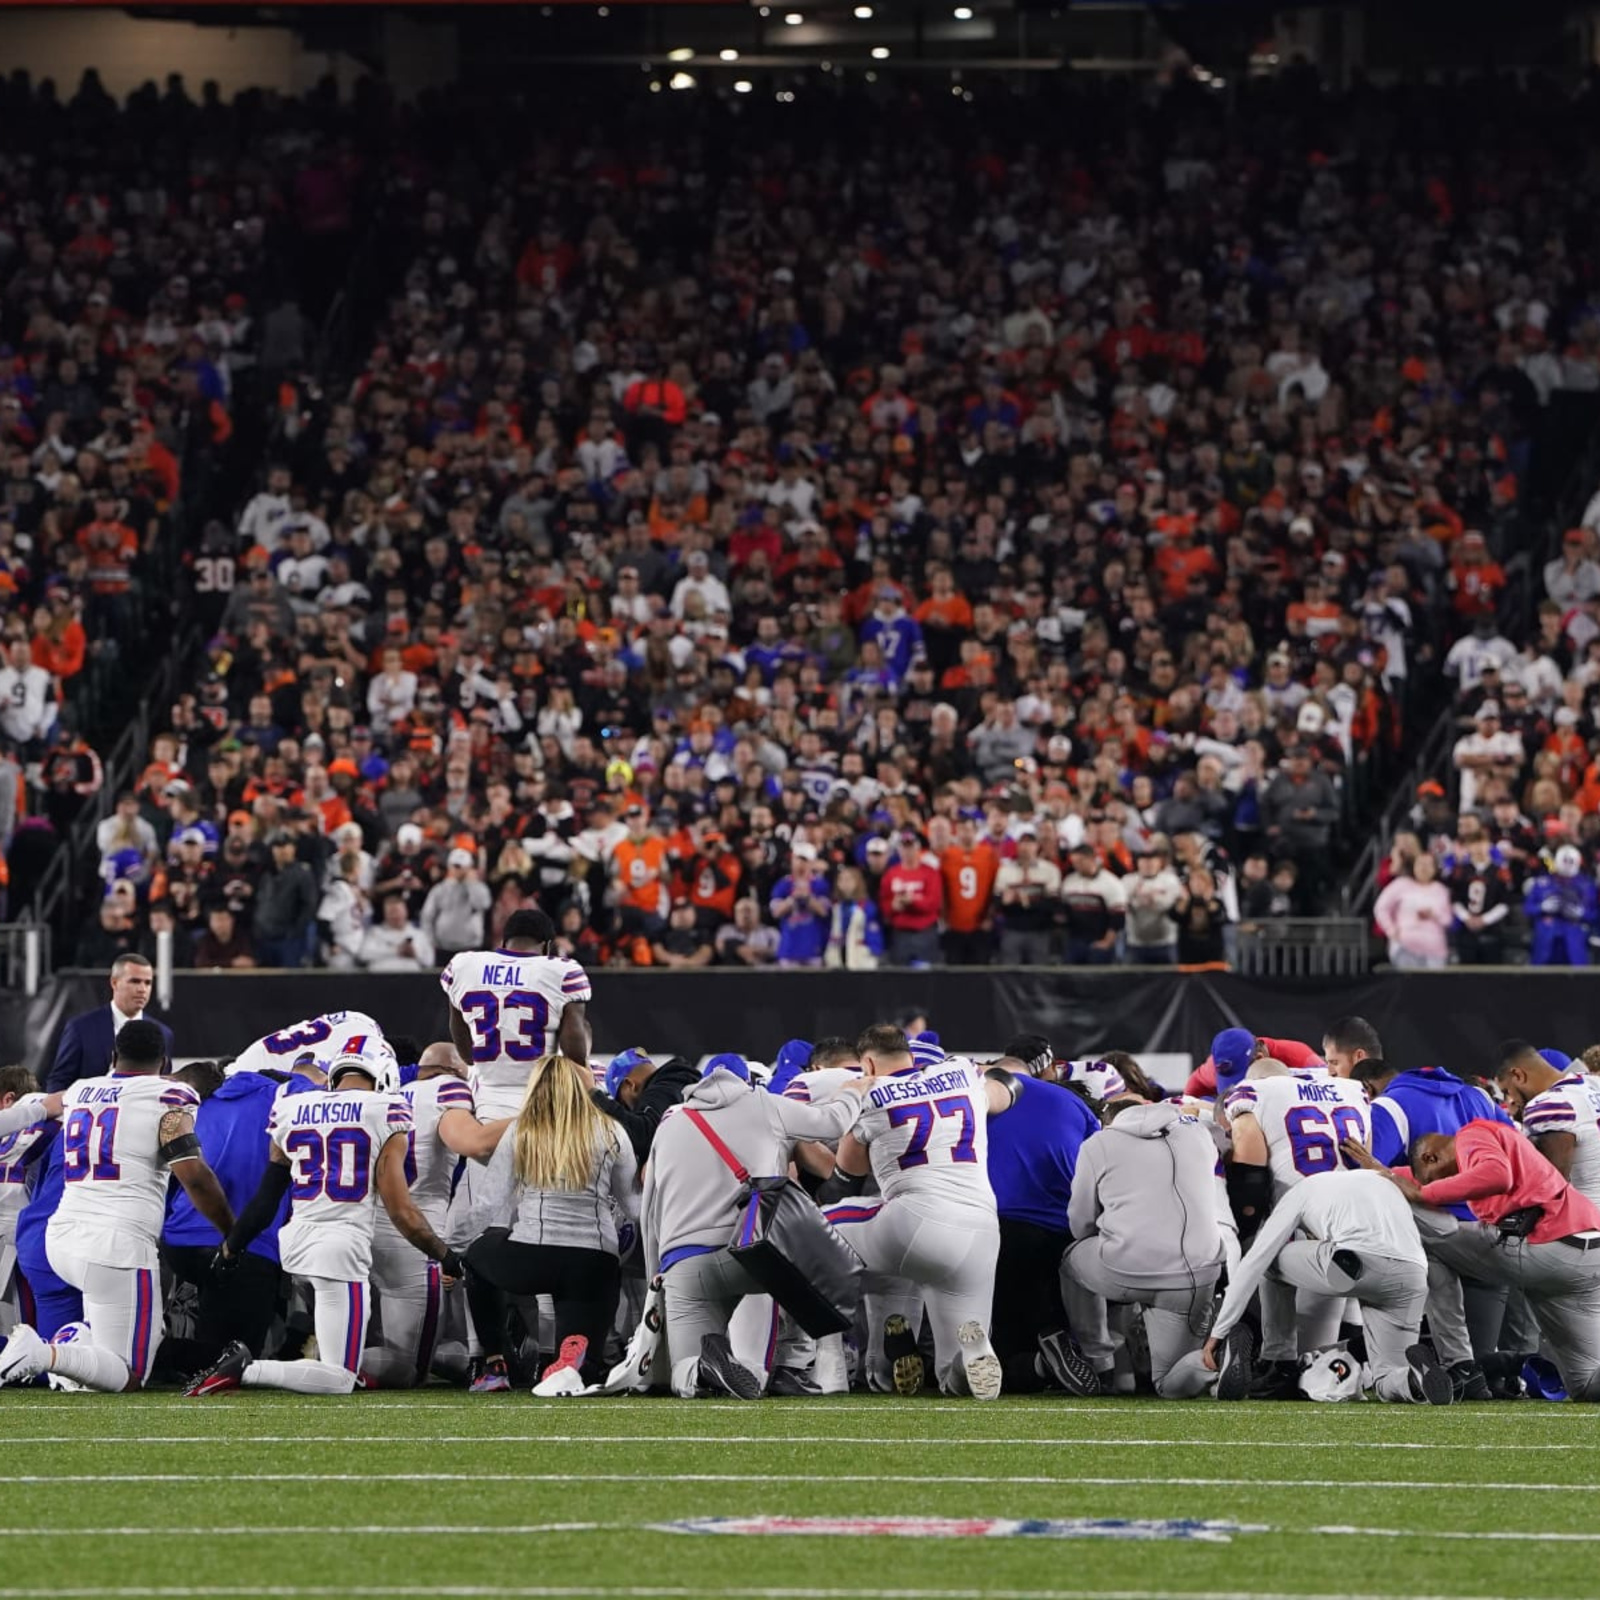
(979, 1362)
(25, 1356)
(562, 1380)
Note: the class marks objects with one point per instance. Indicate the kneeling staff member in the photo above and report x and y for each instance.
(1361, 1241)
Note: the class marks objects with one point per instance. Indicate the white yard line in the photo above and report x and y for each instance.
(309, 1478)
(881, 1441)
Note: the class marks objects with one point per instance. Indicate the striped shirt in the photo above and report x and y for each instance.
(1569, 1106)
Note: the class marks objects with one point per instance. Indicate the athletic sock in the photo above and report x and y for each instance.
(303, 1377)
(93, 1368)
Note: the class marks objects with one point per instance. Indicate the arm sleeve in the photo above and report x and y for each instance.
(1388, 1140)
(27, 1111)
(832, 1119)
(261, 1208)
(1549, 1114)
(625, 1183)
(494, 1199)
(1083, 1208)
(1272, 1236)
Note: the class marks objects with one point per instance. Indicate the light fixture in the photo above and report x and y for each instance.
(963, 13)
(880, 52)
(863, 13)
(603, 11)
(765, 11)
(785, 97)
(729, 55)
(655, 86)
(743, 86)
(792, 19)
(681, 80)
(682, 53)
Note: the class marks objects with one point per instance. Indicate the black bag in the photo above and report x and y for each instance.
(790, 1249)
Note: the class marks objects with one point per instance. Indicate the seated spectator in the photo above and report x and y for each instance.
(225, 943)
(746, 941)
(396, 943)
(683, 942)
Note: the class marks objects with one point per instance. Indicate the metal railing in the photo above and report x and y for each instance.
(1304, 947)
(24, 957)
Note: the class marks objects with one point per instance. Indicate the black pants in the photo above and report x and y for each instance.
(583, 1283)
(237, 1304)
(975, 949)
(1027, 1297)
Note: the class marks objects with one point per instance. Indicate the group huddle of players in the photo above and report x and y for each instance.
(1283, 1227)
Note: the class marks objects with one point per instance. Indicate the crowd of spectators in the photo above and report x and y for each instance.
(1012, 535)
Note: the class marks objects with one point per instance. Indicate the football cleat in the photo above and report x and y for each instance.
(721, 1372)
(491, 1378)
(1277, 1380)
(792, 1384)
(25, 1356)
(1234, 1369)
(571, 1354)
(978, 1360)
(226, 1372)
(1430, 1383)
(900, 1349)
(1068, 1365)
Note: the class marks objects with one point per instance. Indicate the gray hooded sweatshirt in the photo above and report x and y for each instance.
(1148, 1186)
(690, 1193)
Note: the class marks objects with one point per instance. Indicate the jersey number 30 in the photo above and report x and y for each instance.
(922, 1119)
(339, 1166)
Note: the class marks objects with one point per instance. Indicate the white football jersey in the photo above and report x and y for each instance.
(115, 1195)
(512, 1004)
(1304, 1120)
(430, 1163)
(333, 1140)
(813, 1088)
(333, 1034)
(928, 1134)
(14, 1150)
(1570, 1106)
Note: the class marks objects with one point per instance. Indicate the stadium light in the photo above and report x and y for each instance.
(729, 55)
(682, 53)
(863, 13)
(880, 52)
(743, 86)
(963, 13)
(681, 80)
(793, 19)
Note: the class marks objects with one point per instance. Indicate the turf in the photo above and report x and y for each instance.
(441, 1493)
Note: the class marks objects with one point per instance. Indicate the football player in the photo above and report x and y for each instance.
(335, 1033)
(335, 1153)
(122, 1136)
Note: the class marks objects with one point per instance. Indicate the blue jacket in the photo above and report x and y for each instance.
(47, 1180)
(86, 1045)
(803, 935)
(1552, 897)
(1428, 1100)
(1033, 1153)
(232, 1125)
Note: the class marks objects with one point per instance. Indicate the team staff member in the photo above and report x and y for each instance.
(88, 1039)
(1533, 1230)
(968, 868)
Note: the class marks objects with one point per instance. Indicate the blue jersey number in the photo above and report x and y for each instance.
(89, 1146)
(1312, 1147)
(922, 1119)
(512, 1025)
(338, 1167)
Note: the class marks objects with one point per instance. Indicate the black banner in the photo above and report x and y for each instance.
(1452, 1018)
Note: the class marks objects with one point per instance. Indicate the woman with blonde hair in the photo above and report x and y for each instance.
(547, 1215)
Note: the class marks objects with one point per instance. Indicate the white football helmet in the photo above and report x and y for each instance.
(1331, 1375)
(1100, 1078)
(376, 1059)
(1569, 861)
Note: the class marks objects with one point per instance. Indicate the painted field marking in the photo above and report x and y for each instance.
(665, 1592)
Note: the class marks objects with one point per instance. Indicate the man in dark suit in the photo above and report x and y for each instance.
(88, 1040)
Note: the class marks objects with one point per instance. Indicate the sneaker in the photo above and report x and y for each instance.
(1068, 1365)
(900, 1347)
(491, 1378)
(1234, 1369)
(25, 1356)
(573, 1350)
(1277, 1380)
(979, 1361)
(1430, 1383)
(1468, 1382)
(792, 1384)
(721, 1372)
(226, 1372)
(559, 1380)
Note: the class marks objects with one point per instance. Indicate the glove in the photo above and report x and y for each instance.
(452, 1265)
(222, 1262)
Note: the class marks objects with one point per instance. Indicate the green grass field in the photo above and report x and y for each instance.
(443, 1494)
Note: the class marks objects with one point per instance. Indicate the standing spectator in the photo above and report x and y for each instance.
(1153, 896)
(1095, 904)
(342, 912)
(1481, 897)
(1202, 921)
(747, 941)
(28, 701)
(395, 943)
(1299, 809)
(456, 911)
(999, 742)
(224, 943)
(1563, 910)
(968, 868)
(640, 865)
(1574, 576)
(855, 935)
(1027, 890)
(911, 898)
(1489, 751)
(800, 907)
(1414, 914)
(111, 547)
(284, 921)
